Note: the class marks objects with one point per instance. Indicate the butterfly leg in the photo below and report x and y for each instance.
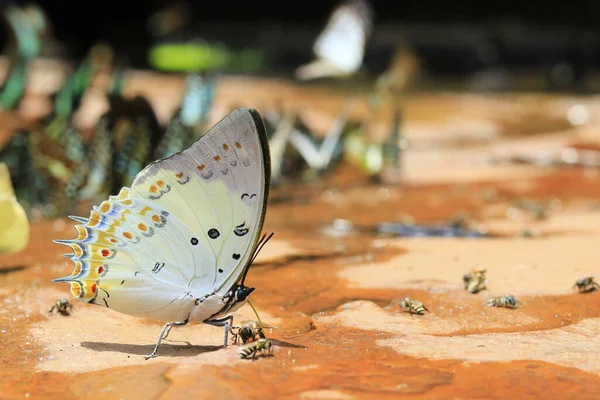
(225, 321)
(163, 334)
(167, 332)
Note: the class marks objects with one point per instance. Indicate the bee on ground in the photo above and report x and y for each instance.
(503, 301)
(255, 347)
(587, 284)
(62, 306)
(475, 280)
(248, 331)
(413, 306)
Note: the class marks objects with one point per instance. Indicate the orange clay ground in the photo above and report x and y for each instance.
(340, 333)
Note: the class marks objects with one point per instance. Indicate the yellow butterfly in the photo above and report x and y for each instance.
(14, 226)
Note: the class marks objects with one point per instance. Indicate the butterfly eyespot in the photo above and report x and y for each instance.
(194, 241)
(142, 227)
(238, 145)
(213, 233)
(105, 252)
(153, 189)
(128, 235)
(225, 146)
(236, 256)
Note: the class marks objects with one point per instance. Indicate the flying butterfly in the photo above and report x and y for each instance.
(177, 245)
(340, 47)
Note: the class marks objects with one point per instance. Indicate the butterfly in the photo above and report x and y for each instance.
(122, 144)
(341, 45)
(177, 245)
(294, 147)
(14, 226)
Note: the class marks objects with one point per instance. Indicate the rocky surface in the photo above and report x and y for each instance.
(339, 332)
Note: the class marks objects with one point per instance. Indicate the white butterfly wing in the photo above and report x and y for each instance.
(218, 188)
(186, 228)
(343, 40)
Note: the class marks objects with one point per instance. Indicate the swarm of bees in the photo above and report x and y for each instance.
(586, 285)
(475, 280)
(63, 307)
(413, 306)
(255, 347)
(503, 301)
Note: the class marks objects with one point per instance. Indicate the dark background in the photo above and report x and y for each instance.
(82, 22)
(450, 35)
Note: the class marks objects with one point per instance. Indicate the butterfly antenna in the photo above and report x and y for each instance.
(261, 243)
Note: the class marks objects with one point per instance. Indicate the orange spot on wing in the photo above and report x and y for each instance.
(123, 215)
(142, 227)
(179, 175)
(160, 183)
(201, 167)
(153, 189)
(155, 218)
(127, 202)
(113, 240)
(238, 145)
(128, 235)
(217, 158)
(145, 210)
(105, 253)
(100, 270)
(225, 146)
(105, 206)
(94, 286)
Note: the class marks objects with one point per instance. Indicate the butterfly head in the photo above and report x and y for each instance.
(236, 298)
(242, 292)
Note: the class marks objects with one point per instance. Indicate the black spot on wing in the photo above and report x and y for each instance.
(213, 233)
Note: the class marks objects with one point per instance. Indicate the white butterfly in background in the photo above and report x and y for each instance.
(340, 47)
(176, 246)
(317, 156)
